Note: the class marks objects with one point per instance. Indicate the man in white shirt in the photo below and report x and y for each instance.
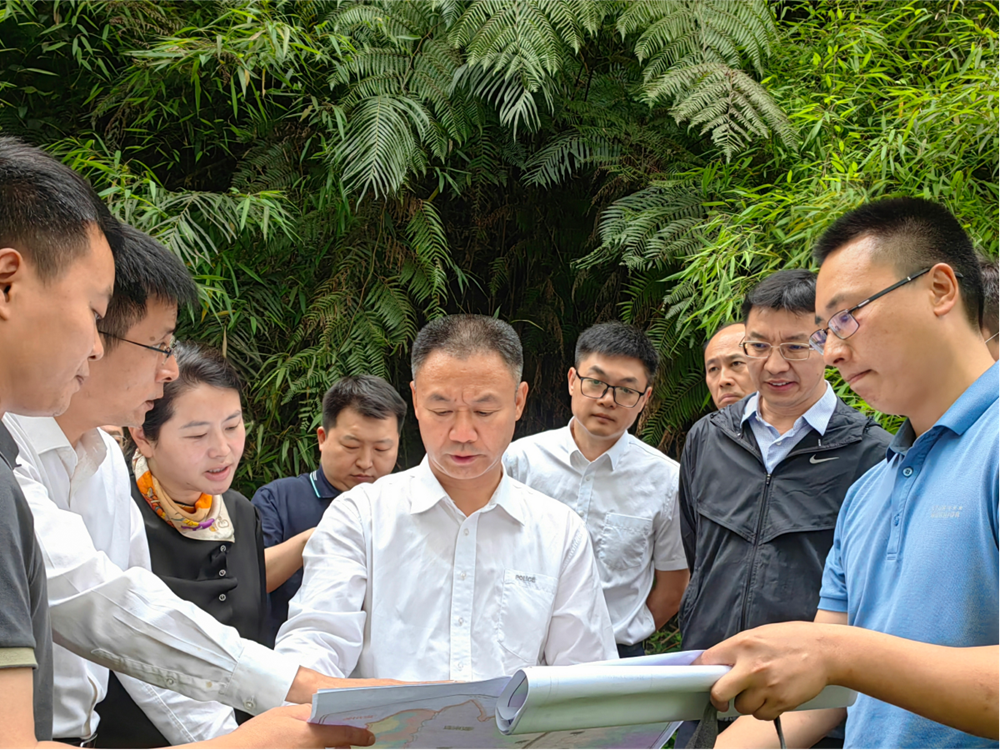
(108, 609)
(57, 271)
(451, 570)
(623, 489)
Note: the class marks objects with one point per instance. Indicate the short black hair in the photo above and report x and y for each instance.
(720, 329)
(991, 295)
(911, 234)
(143, 268)
(46, 209)
(792, 290)
(461, 336)
(369, 395)
(197, 365)
(616, 339)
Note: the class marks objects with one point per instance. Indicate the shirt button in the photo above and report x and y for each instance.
(588, 479)
(222, 597)
(461, 577)
(895, 521)
(222, 573)
(170, 681)
(908, 471)
(461, 665)
(461, 621)
(223, 548)
(466, 532)
(249, 704)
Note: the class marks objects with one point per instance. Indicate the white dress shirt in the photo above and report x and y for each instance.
(109, 608)
(400, 584)
(627, 498)
(775, 447)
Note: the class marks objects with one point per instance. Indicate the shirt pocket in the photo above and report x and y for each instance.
(525, 610)
(624, 542)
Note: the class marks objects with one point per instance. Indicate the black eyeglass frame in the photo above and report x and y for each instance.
(781, 351)
(817, 340)
(614, 391)
(166, 351)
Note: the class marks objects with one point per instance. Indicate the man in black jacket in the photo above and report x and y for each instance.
(762, 480)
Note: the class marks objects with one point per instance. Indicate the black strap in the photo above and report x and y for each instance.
(707, 733)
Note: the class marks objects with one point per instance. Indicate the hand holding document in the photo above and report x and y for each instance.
(627, 703)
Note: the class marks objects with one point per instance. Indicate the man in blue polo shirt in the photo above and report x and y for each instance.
(358, 443)
(914, 564)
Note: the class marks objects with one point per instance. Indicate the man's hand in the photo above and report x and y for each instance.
(775, 667)
(287, 726)
(308, 681)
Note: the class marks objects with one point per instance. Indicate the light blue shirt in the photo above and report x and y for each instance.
(915, 554)
(775, 447)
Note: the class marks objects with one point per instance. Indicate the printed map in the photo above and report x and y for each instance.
(462, 716)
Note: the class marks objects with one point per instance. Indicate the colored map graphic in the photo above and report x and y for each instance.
(461, 720)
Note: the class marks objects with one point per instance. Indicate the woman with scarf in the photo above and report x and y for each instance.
(205, 539)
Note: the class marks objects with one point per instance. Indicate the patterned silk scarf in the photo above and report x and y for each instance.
(208, 520)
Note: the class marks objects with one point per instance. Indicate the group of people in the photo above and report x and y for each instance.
(143, 602)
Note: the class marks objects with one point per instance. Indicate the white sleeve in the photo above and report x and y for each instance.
(668, 549)
(326, 620)
(178, 718)
(129, 621)
(580, 629)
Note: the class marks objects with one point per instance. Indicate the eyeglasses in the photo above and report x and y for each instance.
(762, 350)
(165, 349)
(845, 325)
(594, 388)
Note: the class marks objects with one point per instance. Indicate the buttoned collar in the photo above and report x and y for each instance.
(818, 415)
(428, 492)
(614, 453)
(961, 415)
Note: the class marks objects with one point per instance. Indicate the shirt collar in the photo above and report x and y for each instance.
(818, 415)
(81, 461)
(322, 484)
(428, 492)
(614, 453)
(961, 415)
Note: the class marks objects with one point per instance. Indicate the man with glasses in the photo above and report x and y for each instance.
(914, 565)
(623, 489)
(762, 480)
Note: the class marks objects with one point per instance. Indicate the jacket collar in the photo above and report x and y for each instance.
(846, 425)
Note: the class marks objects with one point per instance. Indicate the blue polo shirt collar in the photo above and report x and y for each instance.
(321, 486)
(961, 415)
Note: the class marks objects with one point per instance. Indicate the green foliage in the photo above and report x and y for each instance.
(336, 173)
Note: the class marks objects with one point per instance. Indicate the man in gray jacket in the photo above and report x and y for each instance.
(762, 480)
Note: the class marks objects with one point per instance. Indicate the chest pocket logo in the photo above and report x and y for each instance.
(525, 610)
(624, 541)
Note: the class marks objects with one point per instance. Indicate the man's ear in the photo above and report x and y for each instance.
(11, 271)
(571, 379)
(944, 289)
(520, 398)
(145, 446)
(413, 396)
(320, 436)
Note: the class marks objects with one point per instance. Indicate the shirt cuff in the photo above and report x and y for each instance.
(671, 563)
(832, 605)
(262, 679)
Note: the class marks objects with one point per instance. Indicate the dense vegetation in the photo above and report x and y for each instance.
(337, 173)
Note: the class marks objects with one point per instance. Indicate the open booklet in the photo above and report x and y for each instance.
(628, 703)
